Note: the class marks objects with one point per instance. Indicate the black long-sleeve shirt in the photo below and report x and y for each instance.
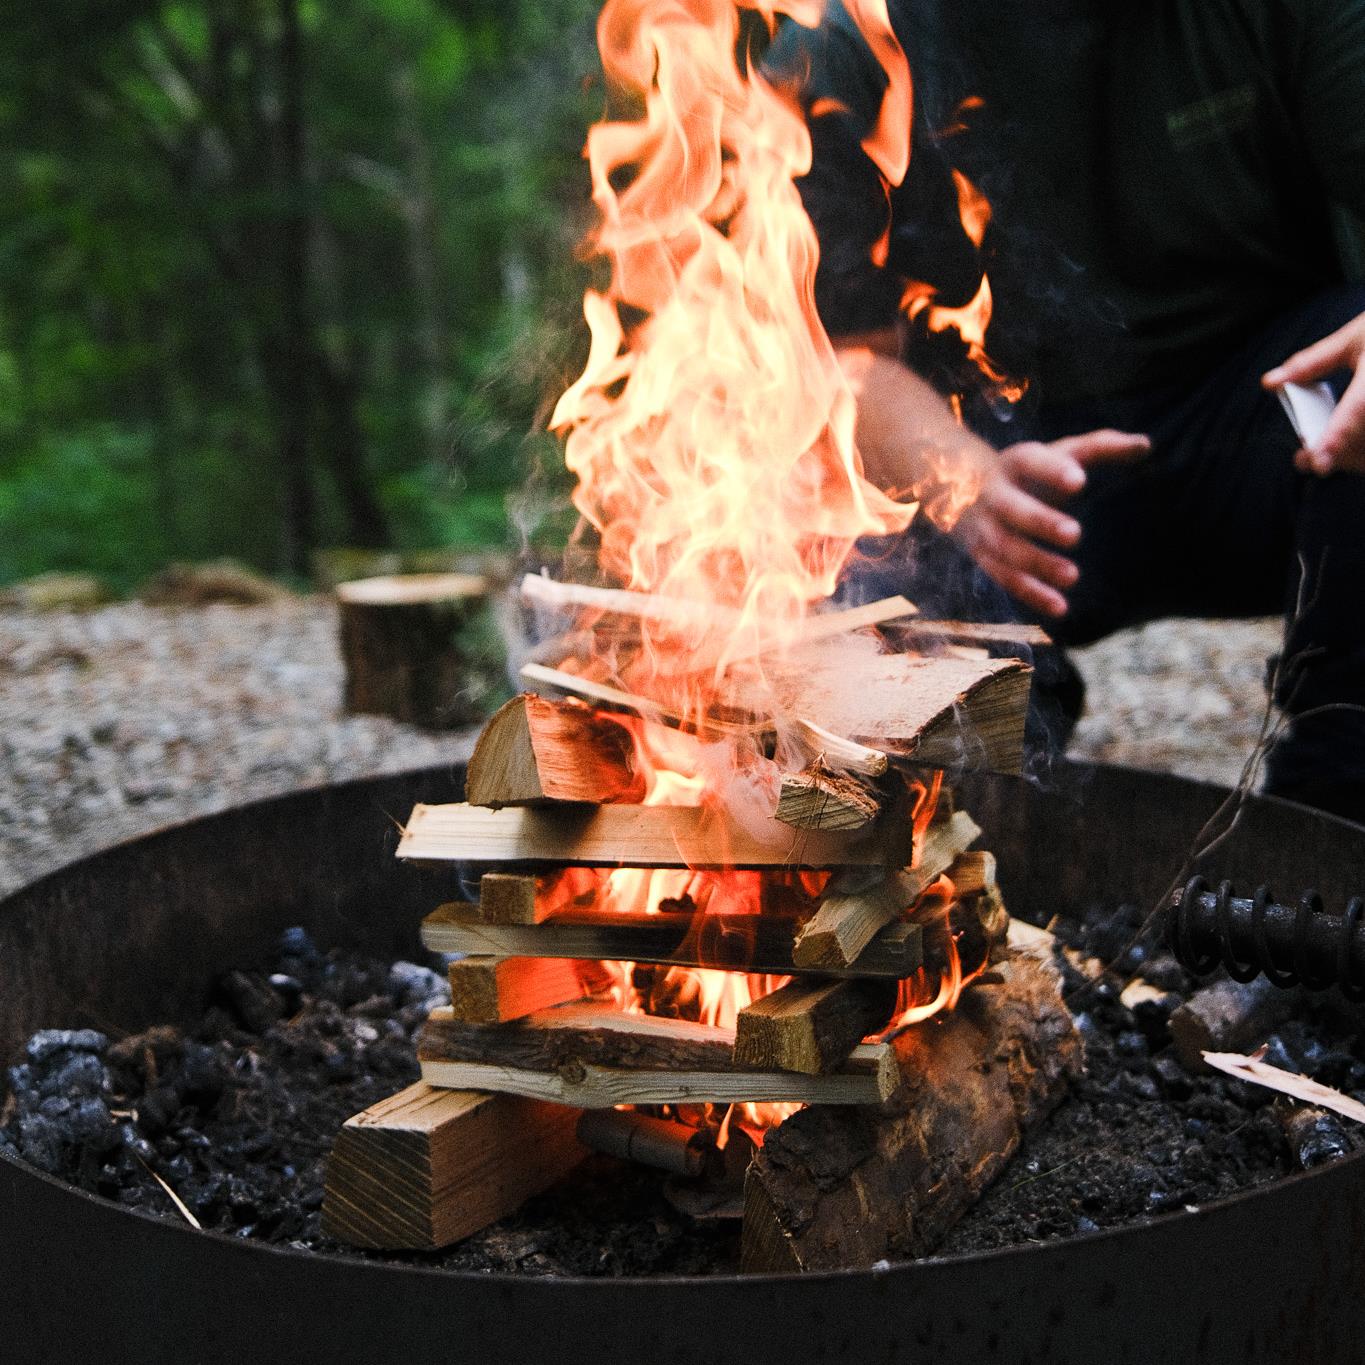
(1160, 171)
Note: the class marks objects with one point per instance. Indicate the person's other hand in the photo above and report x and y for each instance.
(1342, 445)
(1010, 527)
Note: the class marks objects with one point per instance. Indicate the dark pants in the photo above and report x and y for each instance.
(1216, 522)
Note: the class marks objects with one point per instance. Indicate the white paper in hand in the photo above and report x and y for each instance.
(1309, 408)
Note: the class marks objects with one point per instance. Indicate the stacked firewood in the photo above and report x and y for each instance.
(868, 905)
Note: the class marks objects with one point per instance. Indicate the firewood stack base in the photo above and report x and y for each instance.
(922, 1119)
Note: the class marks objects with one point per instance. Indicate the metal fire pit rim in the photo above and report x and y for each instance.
(1071, 780)
(385, 1262)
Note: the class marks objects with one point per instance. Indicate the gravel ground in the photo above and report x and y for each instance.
(1185, 697)
(123, 719)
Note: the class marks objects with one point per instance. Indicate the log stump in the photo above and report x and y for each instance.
(403, 643)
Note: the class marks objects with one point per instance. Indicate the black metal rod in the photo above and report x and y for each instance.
(1291, 945)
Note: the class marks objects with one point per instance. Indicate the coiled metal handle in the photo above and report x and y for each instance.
(1299, 945)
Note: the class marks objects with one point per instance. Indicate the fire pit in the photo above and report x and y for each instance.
(133, 937)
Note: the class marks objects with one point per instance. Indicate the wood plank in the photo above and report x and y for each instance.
(510, 898)
(490, 990)
(812, 1026)
(535, 751)
(567, 1041)
(604, 1087)
(625, 836)
(761, 944)
(845, 924)
(847, 1188)
(820, 798)
(429, 1166)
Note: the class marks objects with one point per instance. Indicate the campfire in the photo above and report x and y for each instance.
(727, 894)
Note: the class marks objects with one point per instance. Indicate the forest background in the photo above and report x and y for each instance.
(278, 275)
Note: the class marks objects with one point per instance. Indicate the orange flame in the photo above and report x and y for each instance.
(711, 432)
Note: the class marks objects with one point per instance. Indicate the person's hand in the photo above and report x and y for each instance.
(1009, 528)
(1342, 445)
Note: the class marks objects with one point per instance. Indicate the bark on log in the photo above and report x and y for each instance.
(756, 943)
(535, 752)
(426, 1167)
(594, 1056)
(811, 1026)
(400, 640)
(835, 1188)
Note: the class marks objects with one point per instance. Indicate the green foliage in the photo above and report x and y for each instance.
(276, 274)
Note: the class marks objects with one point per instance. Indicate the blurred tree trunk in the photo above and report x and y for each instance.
(289, 354)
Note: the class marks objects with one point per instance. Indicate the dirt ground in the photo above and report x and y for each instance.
(119, 720)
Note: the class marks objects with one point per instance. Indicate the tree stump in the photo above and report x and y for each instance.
(403, 640)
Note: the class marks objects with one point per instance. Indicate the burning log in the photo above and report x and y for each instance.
(1226, 1017)
(536, 752)
(506, 898)
(840, 1188)
(1003, 632)
(426, 1167)
(490, 990)
(623, 836)
(812, 1026)
(762, 944)
(400, 640)
(595, 1057)
(664, 1144)
(820, 798)
(847, 922)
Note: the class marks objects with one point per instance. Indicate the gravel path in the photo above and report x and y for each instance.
(121, 720)
(117, 721)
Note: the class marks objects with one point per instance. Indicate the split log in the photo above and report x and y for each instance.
(812, 1026)
(427, 1166)
(536, 752)
(820, 798)
(506, 898)
(490, 990)
(625, 836)
(596, 1057)
(846, 923)
(833, 1188)
(762, 944)
(933, 712)
(401, 643)
(1227, 1016)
